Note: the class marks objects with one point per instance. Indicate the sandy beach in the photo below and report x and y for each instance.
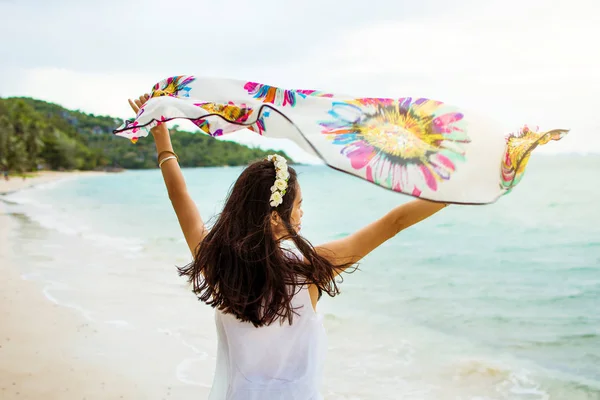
(39, 339)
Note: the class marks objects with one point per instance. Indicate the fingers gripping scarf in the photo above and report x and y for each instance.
(417, 146)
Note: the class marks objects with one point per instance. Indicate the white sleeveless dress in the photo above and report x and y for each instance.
(275, 362)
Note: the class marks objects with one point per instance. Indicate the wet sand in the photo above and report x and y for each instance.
(41, 342)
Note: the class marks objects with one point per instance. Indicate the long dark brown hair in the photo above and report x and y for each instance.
(240, 267)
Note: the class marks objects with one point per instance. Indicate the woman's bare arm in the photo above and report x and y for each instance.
(351, 249)
(186, 210)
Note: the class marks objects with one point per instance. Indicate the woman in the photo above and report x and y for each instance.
(271, 341)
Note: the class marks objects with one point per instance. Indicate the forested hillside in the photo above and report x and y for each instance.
(36, 134)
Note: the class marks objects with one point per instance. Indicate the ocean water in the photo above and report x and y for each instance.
(477, 302)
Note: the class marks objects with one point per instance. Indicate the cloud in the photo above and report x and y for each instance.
(531, 62)
(91, 92)
(152, 36)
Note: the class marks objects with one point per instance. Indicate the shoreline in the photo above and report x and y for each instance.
(39, 340)
(18, 183)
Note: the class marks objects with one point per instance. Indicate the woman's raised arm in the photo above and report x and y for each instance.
(186, 210)
(356, 246)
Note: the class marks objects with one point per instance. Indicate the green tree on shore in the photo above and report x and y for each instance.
(34, 133)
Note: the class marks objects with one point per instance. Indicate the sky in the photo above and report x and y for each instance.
(527, 61)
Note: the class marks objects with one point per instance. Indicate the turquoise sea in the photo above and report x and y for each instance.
(478, 302)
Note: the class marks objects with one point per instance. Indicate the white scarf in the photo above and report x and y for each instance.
(420, 147)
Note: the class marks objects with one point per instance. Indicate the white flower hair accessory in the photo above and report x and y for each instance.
(281, 179)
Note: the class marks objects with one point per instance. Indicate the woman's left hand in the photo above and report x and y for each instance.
(136, 104)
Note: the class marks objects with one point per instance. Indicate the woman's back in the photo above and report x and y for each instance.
(278, 361)
(241, 269)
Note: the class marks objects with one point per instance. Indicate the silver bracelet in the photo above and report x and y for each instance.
(165, 159)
